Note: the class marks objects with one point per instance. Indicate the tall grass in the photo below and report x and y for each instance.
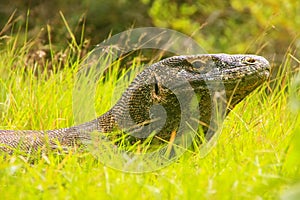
(256, 157)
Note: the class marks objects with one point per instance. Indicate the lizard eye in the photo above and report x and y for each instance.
(249, 60)
(202, 66)
(197, 64)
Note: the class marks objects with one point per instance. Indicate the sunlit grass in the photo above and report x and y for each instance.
(255, 157)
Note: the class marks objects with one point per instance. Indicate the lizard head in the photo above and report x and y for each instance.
(238, 74)
(225, 67)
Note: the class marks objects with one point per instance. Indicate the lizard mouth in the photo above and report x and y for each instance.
(233, 75)
(261, 72)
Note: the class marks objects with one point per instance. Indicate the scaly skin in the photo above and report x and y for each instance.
(159, 84)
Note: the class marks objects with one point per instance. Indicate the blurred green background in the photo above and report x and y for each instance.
(266, 27)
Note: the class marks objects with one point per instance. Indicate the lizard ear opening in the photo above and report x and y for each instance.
(156, 91)
(156, 87)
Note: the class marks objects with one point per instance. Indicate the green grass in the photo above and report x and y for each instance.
(256, 157)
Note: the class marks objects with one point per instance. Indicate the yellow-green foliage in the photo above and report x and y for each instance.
(256, 157)
(233, 26)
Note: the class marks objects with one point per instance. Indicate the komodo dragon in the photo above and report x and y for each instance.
(158, 84)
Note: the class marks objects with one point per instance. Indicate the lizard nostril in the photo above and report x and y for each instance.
(249, 60)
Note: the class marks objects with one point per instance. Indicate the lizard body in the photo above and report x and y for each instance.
(158, 84)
